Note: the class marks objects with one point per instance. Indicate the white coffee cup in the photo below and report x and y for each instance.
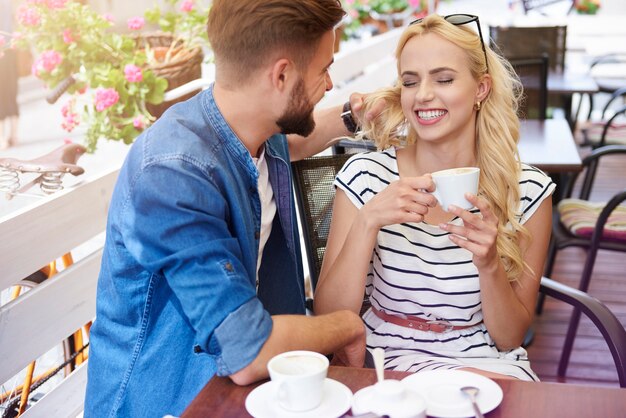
(299, 378)
(452, 184)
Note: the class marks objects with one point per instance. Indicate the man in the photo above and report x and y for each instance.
(201, 272)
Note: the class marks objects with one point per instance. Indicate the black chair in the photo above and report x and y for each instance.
(313, 184)
(607, 323)
(570, 219)
(533, 73)
(609, 130)
(532, 41)
(352, 146)
(313, 178)
(538, 5)
(608, 84)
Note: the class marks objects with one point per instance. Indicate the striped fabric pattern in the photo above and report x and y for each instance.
(416, 270)
(580, 217)
(616, 134)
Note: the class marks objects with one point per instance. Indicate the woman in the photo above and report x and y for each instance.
(475, 272)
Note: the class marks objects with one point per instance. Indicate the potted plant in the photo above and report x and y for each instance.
(112, 79)
(587, 7)
(395, 12)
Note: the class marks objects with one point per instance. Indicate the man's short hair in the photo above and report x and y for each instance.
(246, 34)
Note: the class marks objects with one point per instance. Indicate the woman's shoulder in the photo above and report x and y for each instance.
(373, 161)
(535, 187)
(529, 173)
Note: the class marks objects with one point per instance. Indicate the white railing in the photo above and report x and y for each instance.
(40, 319)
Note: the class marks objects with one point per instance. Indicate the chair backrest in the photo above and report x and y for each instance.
(315, 193)
(531, 41)
(590, 165)
(533, 73)
(605, 320)
(529, 5)
(40, 319)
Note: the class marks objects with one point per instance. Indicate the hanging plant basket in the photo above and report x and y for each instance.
(172, 61)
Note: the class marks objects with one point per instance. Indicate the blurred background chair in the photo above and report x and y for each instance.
(610, 129)
(533, 73)
(540, 5)
(578, 222)
(529, 41)
(352, 146)
(609, 72)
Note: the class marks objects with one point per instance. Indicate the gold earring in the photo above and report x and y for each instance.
(477, 107)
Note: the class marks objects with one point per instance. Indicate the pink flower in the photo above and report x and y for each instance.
(28, 16)
(67, 141)
(415, 4)
(56, 4)
(67, 36)
(186, 6)
(109, 17)
(2, 41)
(36, 1)
(106, 98)
(133, 73)
(70, 117)
(136, 23)
(47, 61)
(51, 59)
(139, 122)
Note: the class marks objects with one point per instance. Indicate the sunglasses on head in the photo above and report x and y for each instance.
(462, 19)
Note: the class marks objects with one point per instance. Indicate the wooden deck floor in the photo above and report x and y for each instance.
(591, 362)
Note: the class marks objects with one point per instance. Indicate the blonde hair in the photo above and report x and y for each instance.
(497, 131)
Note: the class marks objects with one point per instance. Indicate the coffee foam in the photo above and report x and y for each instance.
(298, 365)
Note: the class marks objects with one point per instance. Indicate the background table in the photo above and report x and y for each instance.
(549, 145)
(221, 398)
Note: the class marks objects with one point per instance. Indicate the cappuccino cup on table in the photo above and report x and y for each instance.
(452, 184)
(299, 379)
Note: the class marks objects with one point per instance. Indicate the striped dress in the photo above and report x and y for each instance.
(416, 270)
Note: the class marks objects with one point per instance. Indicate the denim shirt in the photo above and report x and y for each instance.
(177, 301)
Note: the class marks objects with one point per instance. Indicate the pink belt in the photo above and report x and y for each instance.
(414, 322)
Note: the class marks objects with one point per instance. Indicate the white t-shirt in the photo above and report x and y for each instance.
(268, 206)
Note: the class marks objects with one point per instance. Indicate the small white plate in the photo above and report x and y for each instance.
(442, 391)
(336, 400)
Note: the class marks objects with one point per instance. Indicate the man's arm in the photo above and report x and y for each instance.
(341, 331)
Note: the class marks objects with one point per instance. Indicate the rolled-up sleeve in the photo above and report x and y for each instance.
(239, 348)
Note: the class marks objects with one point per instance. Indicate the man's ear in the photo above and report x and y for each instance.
(281, 74)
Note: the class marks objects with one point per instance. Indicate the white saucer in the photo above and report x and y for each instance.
(403, 401)
(336, 400)
(442, 391)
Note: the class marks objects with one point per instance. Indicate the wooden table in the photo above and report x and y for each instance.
(565, 84)
(549, 146)
(221, 398)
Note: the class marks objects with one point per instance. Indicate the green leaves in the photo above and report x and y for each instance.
(96, 57)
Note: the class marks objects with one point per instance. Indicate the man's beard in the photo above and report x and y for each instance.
(298, 118)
